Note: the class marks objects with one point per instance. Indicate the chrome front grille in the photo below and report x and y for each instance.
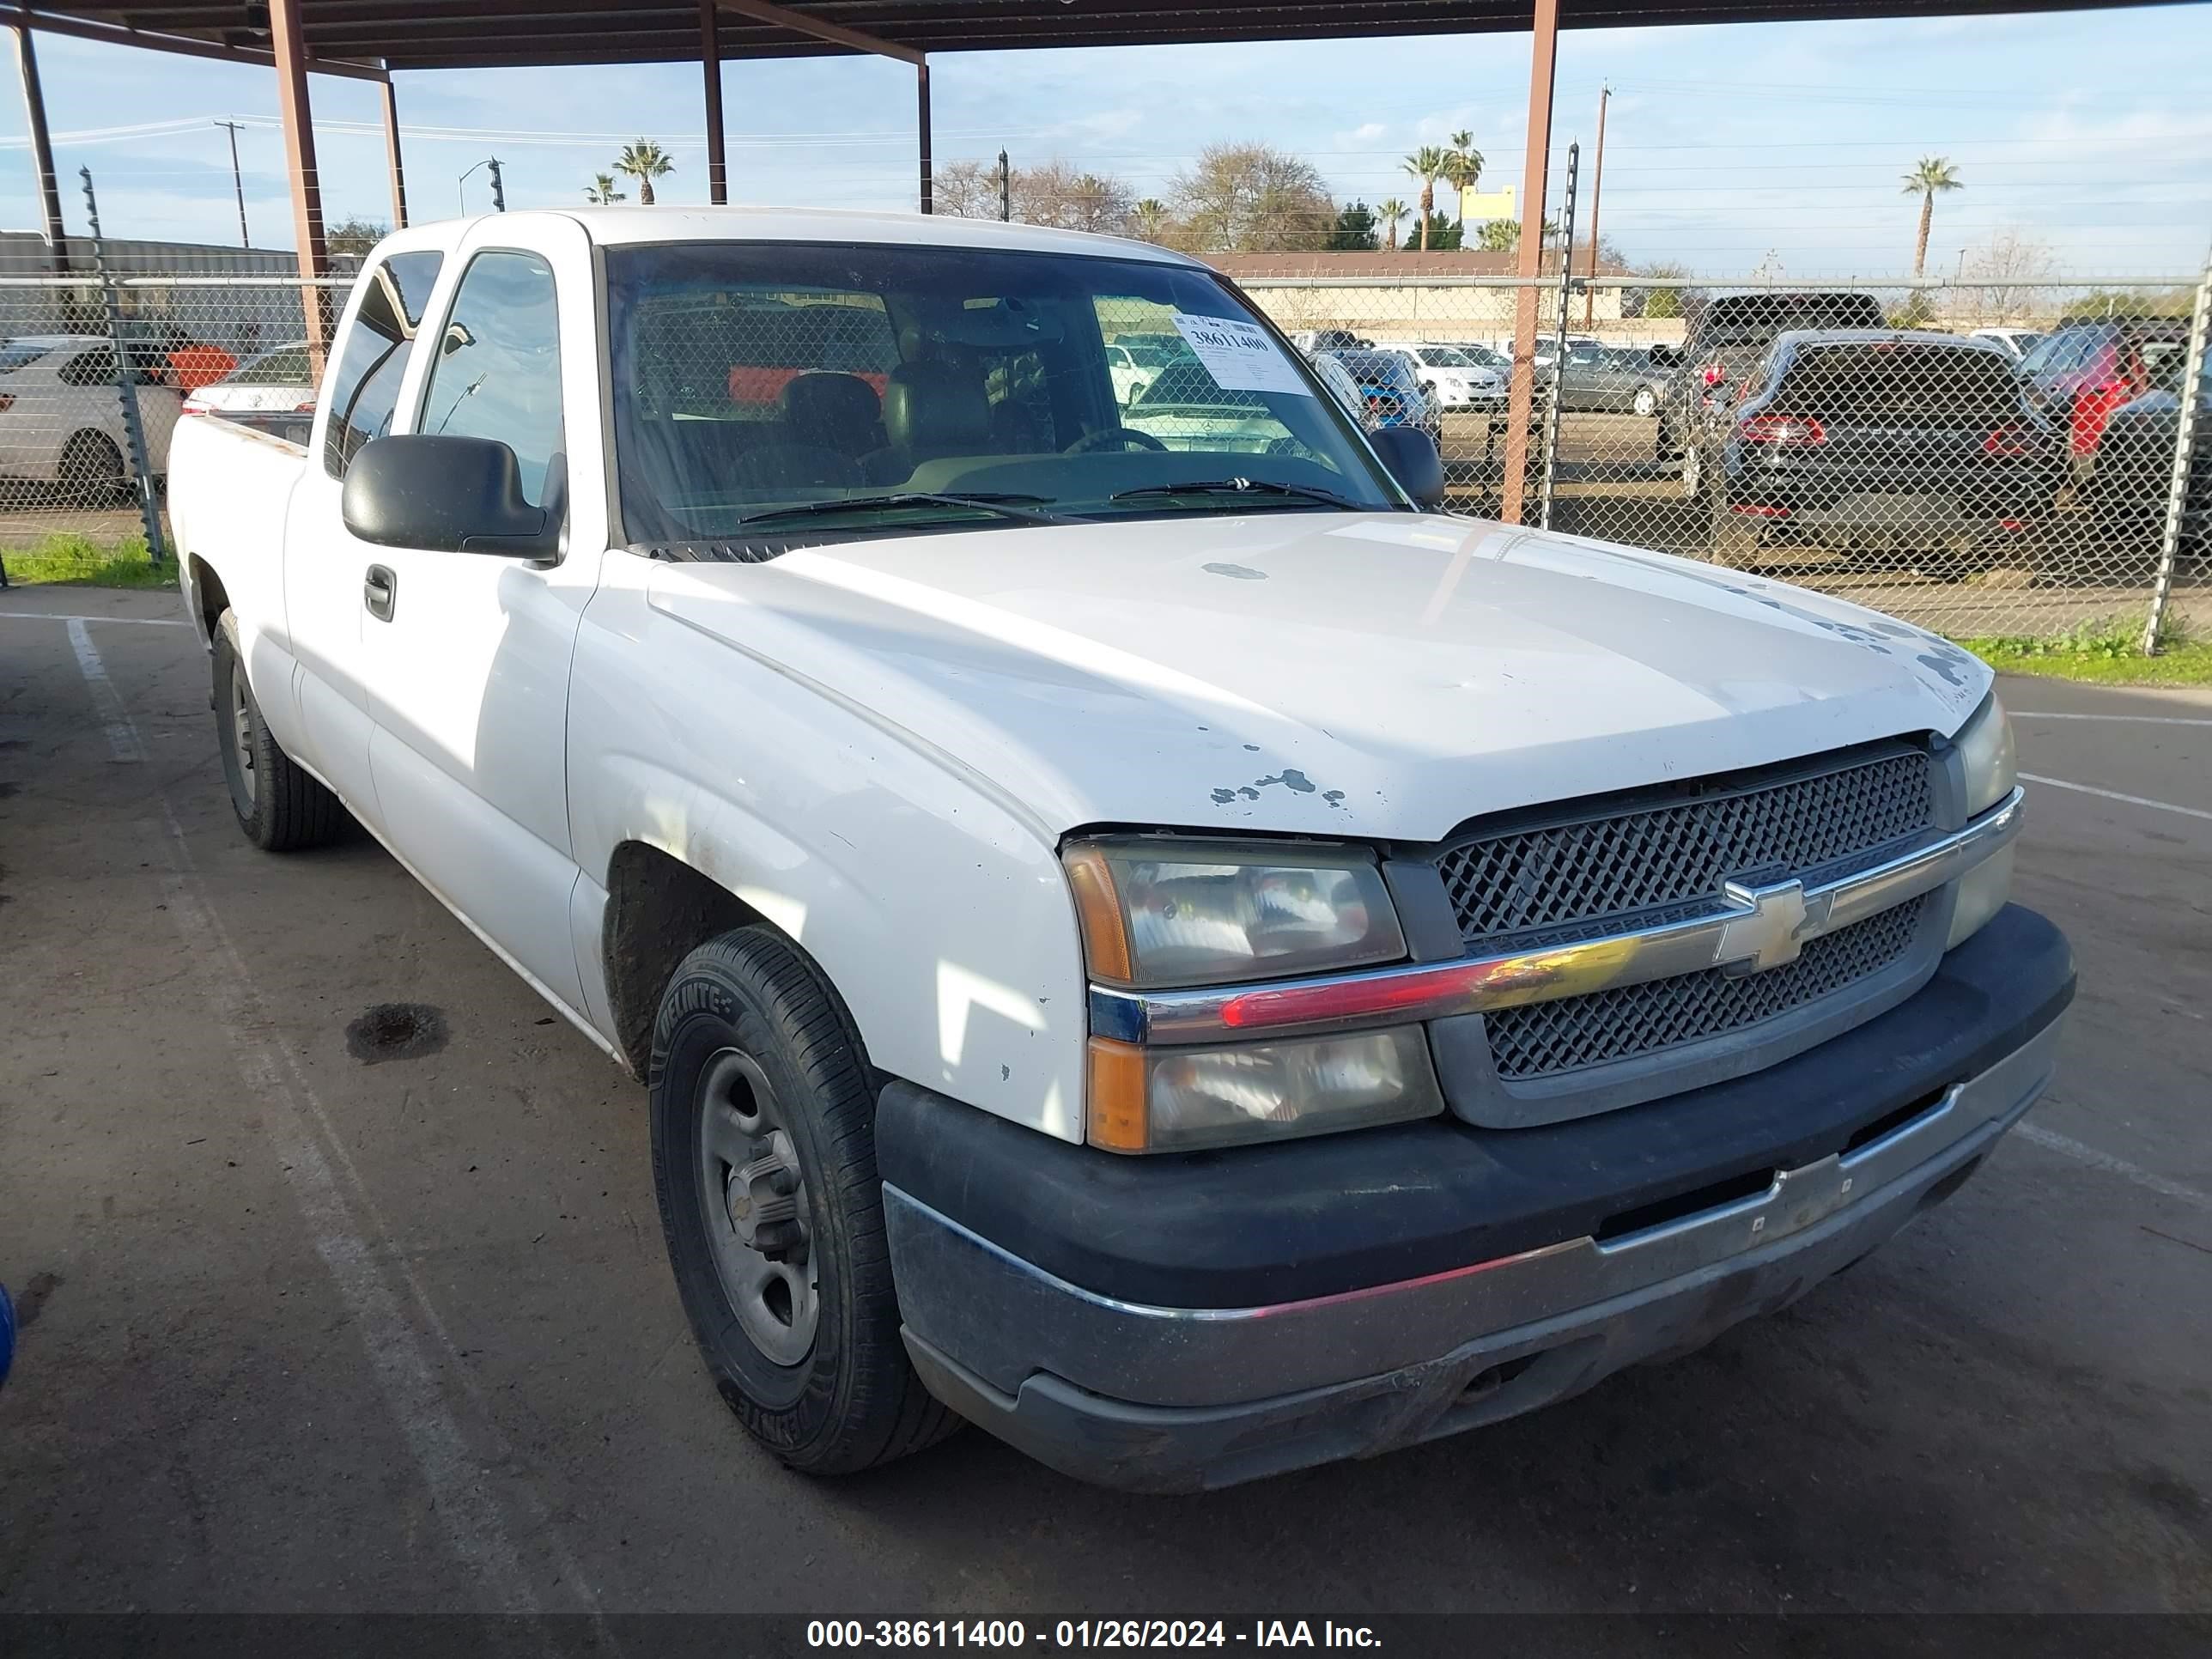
(1674, 856)
(1642, 862)
(1542, 1039)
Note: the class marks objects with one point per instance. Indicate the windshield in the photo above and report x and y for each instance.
(753, 378)
(1446, 357)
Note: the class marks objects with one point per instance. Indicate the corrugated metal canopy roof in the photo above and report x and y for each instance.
(420, 35)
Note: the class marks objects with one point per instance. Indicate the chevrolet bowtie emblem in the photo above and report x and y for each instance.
(1771, 935)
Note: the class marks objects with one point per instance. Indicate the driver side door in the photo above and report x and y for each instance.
(468, 654)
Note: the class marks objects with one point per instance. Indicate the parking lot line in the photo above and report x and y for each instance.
(115, 720)
(2137, 719)
(62, 617)
(2114, 795)
(2067, 1147)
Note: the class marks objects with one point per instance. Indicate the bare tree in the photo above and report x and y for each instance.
(965, 190)
(1252, 199)
(1056, 193)
(2000, 275)
(1068, 198)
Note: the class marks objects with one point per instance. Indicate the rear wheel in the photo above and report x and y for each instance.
(91, 470)
(280, 808)
(764, 1161)
(1646, 402)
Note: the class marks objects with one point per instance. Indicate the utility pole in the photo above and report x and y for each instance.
(498, 188)
(1006, 190)
(1597, 184)
(237, 183)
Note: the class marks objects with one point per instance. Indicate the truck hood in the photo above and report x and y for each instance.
(1375, 675)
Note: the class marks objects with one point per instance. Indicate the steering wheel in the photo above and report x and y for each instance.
(1114, 437)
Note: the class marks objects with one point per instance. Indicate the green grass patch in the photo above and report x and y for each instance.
(2106, 652)
(87, 562)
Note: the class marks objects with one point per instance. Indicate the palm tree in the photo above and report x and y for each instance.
(1933, 173)
(1463, 166)
(1427, 165)
(601, 190)
(644, 161)
(1149, 220)
(1388, 213)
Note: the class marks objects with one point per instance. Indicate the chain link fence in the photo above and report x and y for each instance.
(73, 376)
(2020, 460)
(1986, 461)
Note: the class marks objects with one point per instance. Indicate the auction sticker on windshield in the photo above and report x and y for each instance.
(1239, 355)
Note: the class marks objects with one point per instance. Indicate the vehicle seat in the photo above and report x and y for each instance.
(829, 410)
(931, 408)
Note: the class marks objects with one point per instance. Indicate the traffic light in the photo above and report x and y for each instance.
(498, 189)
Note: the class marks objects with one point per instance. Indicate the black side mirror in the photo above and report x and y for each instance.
(449, 496)
(1666, 357)
(1410, 454)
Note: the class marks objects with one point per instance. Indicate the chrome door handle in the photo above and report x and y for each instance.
(379, 591)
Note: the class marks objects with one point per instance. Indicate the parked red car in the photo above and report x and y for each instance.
(2086, 368)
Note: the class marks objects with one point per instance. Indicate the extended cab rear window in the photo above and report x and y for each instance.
(364, 384)
(1899, 383)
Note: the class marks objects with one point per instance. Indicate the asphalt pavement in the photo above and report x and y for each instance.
(307, 1327)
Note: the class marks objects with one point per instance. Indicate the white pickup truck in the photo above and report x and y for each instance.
(1152, 938)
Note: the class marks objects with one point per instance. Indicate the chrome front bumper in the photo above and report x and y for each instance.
(1174, 1399)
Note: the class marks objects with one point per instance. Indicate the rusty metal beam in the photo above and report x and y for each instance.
(799, 22)
(710, 64)
(82, 28)
(300, 162)
(921, 111)
(392, 157)
(42, 151)
(1529, 263)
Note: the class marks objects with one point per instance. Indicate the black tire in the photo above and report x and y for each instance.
(91, 470)
(280, 808)
(749, 1034)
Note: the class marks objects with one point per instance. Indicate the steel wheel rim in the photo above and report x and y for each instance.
(1645, 403)
(241, 737)
(755, 1207)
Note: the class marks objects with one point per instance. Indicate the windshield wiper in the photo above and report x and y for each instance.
(1239, 487)
(1016, 507)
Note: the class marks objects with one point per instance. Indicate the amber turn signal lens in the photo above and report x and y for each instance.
(1105, 941)
(1115, 1106)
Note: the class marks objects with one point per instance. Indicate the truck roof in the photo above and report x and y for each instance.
(623, 225)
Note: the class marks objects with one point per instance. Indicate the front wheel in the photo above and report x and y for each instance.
(763, 1162)
(1647, 402)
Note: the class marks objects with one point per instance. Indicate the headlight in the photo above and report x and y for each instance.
(1984, 743)
(1178, 1100)
(1985, 748)
(1161, 914)
(1164, 914)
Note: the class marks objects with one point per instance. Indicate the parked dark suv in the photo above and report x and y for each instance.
(1728, 336)
(1921, 444)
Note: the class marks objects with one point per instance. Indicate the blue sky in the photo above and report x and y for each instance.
(2086, 132)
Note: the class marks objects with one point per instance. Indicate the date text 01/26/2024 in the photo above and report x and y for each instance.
(1085, 1633)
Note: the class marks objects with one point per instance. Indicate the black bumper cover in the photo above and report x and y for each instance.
(1261, 1225)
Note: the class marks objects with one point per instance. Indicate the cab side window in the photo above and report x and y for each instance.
(364, 383)
(498, 369)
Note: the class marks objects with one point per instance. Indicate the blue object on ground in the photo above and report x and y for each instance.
(7, 1333)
